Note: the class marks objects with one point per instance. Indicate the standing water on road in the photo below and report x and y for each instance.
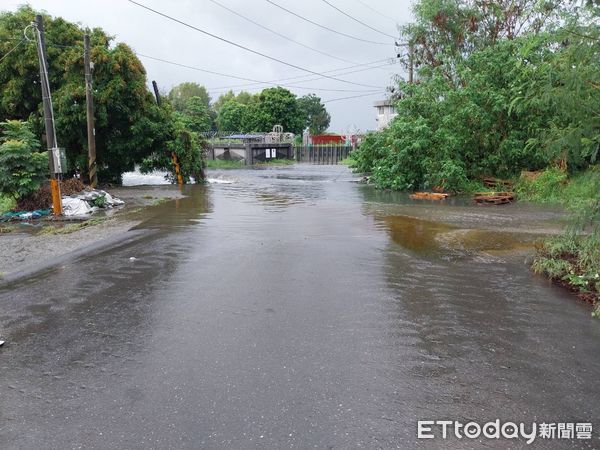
(294, 307)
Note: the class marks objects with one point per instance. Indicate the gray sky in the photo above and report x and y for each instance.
(150, 34)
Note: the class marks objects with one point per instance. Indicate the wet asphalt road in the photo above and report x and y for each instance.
(291, 308)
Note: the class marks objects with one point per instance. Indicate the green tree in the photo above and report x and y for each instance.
(275, 106)
(187, 145)
(243, 97)
(316, 117)
(492, 101)
(445, 32)
(183, 92)
(22, 168)
(129, 124)
(232, 116)
(566, 85)
(195, 115)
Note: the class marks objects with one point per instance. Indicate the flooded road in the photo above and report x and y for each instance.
(295, 308)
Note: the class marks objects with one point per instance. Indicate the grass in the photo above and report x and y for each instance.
(349, 161)
(276, 162)
(70, 228)
(554, 186)
(160, 201)
(6, 204)
(572, 259)
(222, 164)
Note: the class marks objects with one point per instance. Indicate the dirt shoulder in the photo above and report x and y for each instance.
(27, 245)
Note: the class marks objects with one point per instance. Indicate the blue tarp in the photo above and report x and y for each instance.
(24, 215)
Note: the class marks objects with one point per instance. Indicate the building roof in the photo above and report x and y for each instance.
(383, 103)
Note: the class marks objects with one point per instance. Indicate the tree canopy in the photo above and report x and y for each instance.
(232, 116)
(500, 89)
(182, 93)
(316, 117)
(129, 124)
(273, 106)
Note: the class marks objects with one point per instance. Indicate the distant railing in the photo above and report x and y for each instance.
(224, 137)
(321, 154)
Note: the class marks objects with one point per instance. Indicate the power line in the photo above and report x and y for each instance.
(323, 26)
(353, 96)
(357, 20)
(13, 49)
(314, 79)
(247, 79)
(376, 11)
(280, 34)
(254, 81)
(256, 52)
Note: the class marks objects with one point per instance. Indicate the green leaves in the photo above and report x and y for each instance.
(129, 125)
(315, 116)
(22, 168)
(272, 106)
(232, 116)
(524, 102)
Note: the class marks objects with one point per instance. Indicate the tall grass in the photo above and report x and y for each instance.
(574, 257)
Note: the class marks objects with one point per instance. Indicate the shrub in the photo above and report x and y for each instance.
(22, 168)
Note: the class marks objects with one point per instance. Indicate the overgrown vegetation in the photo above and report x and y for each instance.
(497, 93)
(572, 259)
(223, 164)
(22, 167)
(503, 87)
(129, 125)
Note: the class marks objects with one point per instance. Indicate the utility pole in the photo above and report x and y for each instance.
(51, 142)
(89, 98)
(156, 93)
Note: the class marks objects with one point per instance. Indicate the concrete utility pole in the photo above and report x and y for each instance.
(89, 98)
(51, 142)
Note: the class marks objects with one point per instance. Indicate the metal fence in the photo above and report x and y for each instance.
(321, 154)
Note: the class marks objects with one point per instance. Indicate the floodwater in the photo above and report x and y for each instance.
(295, 308)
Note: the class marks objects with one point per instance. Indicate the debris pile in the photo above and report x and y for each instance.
(89, 201)
(77, 200)
(494, 198)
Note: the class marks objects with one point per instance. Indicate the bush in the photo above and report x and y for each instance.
(22, 168)
(548, 186)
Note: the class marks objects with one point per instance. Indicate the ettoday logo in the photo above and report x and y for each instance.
(432, 429)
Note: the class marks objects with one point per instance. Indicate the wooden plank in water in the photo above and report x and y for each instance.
(429, 195)
(494, 198)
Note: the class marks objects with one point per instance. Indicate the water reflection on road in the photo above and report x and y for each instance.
(293, 307)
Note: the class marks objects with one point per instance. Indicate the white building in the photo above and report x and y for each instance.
(386, 111)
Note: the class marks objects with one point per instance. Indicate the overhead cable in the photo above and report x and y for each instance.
(256, 52)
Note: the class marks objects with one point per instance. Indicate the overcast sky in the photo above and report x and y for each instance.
(150, 34)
